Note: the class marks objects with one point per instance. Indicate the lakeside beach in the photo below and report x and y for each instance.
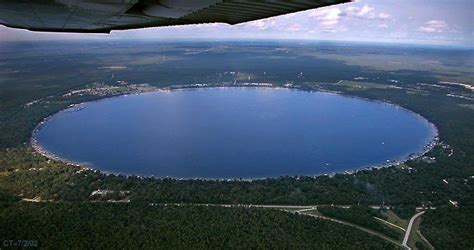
(389, 162)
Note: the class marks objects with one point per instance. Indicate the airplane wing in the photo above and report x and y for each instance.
(103, 16)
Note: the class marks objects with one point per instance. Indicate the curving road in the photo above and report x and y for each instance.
(410, 225)
(372, 232)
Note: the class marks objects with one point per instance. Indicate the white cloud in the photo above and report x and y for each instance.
(262, 24)
(359, 12)
(328, 17)
(435, 26)
(295, 28)
(384, 16)
(365, 12)
(291, 15)
(383, 25)
(399, 35)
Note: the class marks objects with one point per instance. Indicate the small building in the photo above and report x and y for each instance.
(454, 203)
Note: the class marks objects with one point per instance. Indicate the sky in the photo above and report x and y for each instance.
(437, 22)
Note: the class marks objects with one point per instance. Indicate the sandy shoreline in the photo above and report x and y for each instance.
(77, 107)
(39, 149)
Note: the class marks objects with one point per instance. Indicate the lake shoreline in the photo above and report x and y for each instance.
(390, 163)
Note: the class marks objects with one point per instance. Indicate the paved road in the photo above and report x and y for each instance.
(298, 210)
(410, 225)
(269, 206)
(351, 225)
(234, 205)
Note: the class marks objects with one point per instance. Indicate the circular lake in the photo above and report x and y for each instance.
(234, 133)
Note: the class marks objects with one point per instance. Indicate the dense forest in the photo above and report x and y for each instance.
(135, 226)
(449, 228)
(27, 99)
(363, 216)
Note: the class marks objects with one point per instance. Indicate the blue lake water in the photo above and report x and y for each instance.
(234, 133)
